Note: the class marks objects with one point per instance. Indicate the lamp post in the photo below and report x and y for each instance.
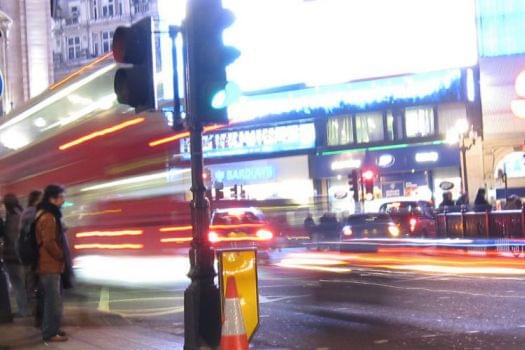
(464, 135)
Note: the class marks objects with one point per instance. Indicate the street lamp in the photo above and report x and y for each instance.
(464, 135)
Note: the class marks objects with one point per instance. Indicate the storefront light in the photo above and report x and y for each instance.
(346, 164)
(427, 157)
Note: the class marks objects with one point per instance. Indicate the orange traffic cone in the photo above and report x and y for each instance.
(233, 333)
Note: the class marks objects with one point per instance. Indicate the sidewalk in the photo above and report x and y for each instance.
(88, 330)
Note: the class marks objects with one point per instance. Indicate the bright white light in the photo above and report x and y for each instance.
(80, 100)
(462, 126)
(106, 102)
(427, 157)
(14, 140)
(346, 164)
(129, 270)
(452, 137)
(471, 90)
(40, 122)
(294, 49)
(56, 96)
(135, 180)
(520, 84)
(518, 107)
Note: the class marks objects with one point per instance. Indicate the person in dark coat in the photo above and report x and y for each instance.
(33, 292)
(481, 203)
(54, 261)
(447, 203)
(309, 225)
(15, 269)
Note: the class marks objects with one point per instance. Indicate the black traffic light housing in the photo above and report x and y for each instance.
(207, 59)
(353, 182)
(135, 85)
(234, 191)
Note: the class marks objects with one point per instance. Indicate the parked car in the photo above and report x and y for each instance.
(369, 225)
(414, 218)
(241, 227)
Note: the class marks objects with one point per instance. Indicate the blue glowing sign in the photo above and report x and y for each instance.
(415, 89)
(255, 141)
(248, 174)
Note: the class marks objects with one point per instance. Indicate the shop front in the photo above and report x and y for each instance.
(418, 172)
(275, 178)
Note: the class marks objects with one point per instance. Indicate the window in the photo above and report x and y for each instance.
(390, 130)
(95, 42)
(339, 131)
(108, 9)
(140, 6)
(369, 127)
(74, 14)
(95, 10)
(73, 47)
(419, 122)
(107, 37)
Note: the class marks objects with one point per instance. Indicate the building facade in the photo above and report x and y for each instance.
(25, 51)
(83, 29)
(501, 48)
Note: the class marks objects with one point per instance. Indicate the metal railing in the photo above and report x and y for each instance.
(488, 224)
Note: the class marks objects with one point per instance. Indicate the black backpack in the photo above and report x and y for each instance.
(27, 244)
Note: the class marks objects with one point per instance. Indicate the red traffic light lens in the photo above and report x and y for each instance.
(119, 44)
(368, 175)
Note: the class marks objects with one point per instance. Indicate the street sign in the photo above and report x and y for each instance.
(242, 264)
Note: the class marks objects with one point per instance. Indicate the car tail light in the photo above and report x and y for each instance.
(347, 231)
(413, 223)
(393, 230)
(213, 237)
(264, 235)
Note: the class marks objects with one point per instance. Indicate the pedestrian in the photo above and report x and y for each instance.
(447, 202)
(15, 269)
(53, 261)
(33, 292)
(309, 225)
(462, 201)
(513, 203)
(481, 203)
(5, 305)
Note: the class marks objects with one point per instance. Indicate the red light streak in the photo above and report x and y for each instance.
(109, 233)
(80, 71)
(108, 246)
(177, 240)
(100, 133)
(181, 135)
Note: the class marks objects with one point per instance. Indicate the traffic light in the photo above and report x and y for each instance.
(135, 85)
(234, 191)
(368, 181)
(207, 60)
(353, 182)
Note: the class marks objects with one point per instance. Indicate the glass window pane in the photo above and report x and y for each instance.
(369, 127)
(339, 131)
(419, 121)
(390, 126)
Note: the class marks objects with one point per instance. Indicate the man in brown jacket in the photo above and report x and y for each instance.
(51, 261)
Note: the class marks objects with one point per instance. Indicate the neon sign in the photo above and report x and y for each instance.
(255, 141)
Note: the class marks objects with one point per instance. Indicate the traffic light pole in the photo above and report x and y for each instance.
(202, 320)
(201, 298)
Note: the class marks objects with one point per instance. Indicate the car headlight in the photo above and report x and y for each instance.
(393, 230)
(347, 231)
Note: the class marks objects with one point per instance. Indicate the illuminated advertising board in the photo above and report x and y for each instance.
(255, 141)
(296, 44)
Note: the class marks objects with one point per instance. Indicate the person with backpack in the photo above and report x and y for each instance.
(28, 254)
(15, 269)
(53, 261)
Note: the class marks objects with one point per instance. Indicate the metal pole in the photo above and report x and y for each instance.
(464, 161)
(202, 323)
